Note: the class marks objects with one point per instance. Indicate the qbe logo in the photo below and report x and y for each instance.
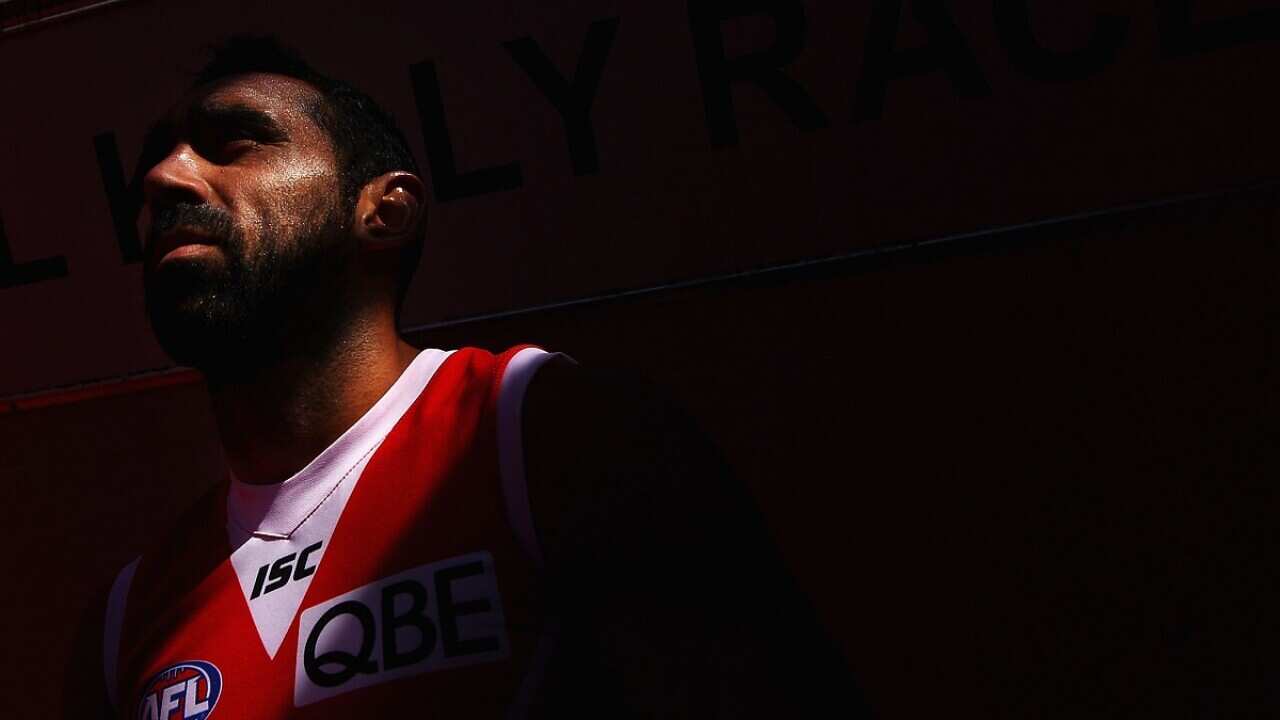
(188, 690)
(435, 616)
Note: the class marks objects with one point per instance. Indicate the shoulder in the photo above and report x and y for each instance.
(568, 407)
(608, 453)
(664, 559)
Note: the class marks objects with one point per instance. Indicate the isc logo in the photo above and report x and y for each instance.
(435, 616)
(282, 569)
(187, 690)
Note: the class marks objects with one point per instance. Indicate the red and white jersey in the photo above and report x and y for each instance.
(396, 572)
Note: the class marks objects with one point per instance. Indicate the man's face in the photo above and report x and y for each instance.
(246, 240)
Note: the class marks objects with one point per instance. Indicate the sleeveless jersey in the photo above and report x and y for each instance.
(396, 573)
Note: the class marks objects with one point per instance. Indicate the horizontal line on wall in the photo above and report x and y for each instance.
(869, 258)
(99, 389)
(54, 17)
(958, 244)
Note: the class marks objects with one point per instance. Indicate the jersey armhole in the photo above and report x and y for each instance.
(112, 626)
(519, 370)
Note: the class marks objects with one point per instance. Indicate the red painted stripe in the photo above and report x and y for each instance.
(97, 391)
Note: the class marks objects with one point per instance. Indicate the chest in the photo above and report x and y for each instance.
(416, 597)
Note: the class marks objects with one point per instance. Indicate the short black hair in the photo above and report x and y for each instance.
(366, 140)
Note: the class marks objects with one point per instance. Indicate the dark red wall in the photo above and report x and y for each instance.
(1021, 473)
(1025, 477)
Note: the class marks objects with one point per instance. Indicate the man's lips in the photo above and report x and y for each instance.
(182, 241)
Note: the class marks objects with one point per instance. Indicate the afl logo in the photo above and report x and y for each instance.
(186, 690)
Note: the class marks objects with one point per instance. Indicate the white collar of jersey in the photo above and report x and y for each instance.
(276, 511)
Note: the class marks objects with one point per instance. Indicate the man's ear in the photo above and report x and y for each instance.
(390, 208)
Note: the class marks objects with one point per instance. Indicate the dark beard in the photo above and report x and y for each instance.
(232, 319)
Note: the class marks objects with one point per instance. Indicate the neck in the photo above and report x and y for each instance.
(277, 420)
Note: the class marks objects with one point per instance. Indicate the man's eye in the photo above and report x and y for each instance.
(229, 145)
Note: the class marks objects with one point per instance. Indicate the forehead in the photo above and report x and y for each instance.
(283, 99)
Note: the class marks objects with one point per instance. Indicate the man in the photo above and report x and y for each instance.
(419, 532)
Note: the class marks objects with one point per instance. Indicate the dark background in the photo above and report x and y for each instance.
(994, 354)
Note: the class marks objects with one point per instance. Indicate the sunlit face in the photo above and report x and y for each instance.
(246, 240)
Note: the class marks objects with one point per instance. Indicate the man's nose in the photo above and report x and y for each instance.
(178, 177)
